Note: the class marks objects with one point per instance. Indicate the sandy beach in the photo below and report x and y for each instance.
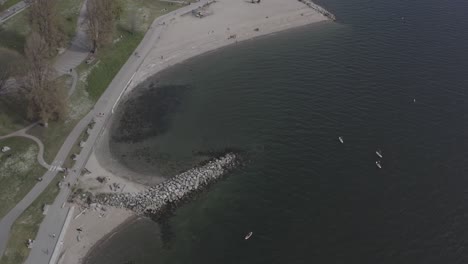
(184, 36)
(227, 22)
(95, 224)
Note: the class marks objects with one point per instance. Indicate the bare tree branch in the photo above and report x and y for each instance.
(102, 15)
(46, 99)
(44, 20)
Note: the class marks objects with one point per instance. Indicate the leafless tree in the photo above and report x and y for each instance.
(102, 15)
(46, 99)
(44, 20)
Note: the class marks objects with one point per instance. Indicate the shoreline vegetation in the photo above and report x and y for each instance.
(216, 25)
(19, 171)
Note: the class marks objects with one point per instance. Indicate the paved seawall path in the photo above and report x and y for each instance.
(124, 81)
(56, 215)
(12, 11)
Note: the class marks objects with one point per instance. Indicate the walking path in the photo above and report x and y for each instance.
(74, 76)
(66, 62)
(12, 11)
(22, 133)
(79, 48)
(7, 221)
(53, 221)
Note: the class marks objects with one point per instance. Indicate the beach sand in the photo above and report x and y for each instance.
(95, 224)
(188, 36)
(183, 37)
(90, 183)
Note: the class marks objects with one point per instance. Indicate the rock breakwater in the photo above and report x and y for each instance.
(319, 9)
(154, 200)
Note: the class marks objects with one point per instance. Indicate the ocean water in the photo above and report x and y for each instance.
(389, 75)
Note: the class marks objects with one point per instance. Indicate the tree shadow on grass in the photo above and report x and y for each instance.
(12, 40)
(16, 112)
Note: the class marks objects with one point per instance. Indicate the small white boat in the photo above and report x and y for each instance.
(378, 164)
(248, 235)
(414, 100)
(341, 139)
(379, 153)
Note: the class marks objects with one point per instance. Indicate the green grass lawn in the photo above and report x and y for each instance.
(12, 116)
(27, 225)
(14, 31)
(68, 15)
(147, 11)
(13, 36)
(53, 136)
(95, 78)
(110, 61)
(19, 171)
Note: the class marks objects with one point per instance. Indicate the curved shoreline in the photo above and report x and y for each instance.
(101, 242)
(175, 46)
(185, 37)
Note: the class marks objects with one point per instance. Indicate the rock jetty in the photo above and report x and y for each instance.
(318, 8)
(154, 200)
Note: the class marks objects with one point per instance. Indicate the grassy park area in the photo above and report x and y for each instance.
(13, 32)
(55, 134)
(27, 225)
(110, 62)
(7, 4)
(93, 80)
(69, 11)
(13, 35)
(19, 171)
(12, 116)
(140, 12)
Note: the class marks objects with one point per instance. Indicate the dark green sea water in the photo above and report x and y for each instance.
(285, 99)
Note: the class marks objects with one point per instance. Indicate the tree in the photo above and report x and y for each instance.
(45, 98)
(43, 19)
(102, 15)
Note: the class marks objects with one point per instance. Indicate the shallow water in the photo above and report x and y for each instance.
(285, 99)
